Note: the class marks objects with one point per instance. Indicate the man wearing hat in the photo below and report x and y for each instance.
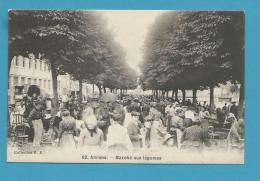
(234, 109)
(35, 119)
(154, 113)
(236, 135)
(177, 119)
(133, 130)
(56, 124)
(103, 118)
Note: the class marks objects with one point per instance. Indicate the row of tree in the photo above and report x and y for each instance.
(195, 51)
(74, 42)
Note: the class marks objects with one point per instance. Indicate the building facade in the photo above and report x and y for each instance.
(26, 71)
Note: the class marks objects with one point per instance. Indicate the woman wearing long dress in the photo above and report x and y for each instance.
(67, 128)
(158, 131)
(117, 137)
(90, 136)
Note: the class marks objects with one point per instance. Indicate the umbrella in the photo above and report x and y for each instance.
(108, 97)
(33, 89)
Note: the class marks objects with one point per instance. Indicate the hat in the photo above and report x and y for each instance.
(135, 113)
(37, 101)
(95, 105)
(153, 104)
(196, 119)
(91, 120)
(117, 114)
(205, 115)
(47, 116)
(136, 100)
(178, 110)
(167, 137)
(190, 115)
(230, 115)
(65, 113)
(148, 118)
(58, 114)
(146, 108)
(176, 103)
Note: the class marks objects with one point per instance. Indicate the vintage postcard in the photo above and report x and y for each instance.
(126, 86)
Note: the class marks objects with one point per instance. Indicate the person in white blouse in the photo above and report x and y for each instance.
(117, 137)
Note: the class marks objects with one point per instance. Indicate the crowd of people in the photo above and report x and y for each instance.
(134, 123)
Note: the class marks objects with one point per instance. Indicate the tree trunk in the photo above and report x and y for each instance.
(176, 95)
(163, 94)
(100, 90)
(241, 102)
(104, 89)
(93, 88)
(194, 96)
(80, 97)
(121, 94)
(183, 95)
(54, 75)
(156, 94)
(172, 94)
(211, 98)
(167, 94)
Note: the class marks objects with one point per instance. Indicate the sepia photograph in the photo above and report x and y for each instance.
(126, 86)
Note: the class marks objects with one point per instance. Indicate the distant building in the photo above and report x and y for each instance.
(26, 71)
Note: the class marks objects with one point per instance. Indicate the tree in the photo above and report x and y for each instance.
(193, 50)
(43, 32)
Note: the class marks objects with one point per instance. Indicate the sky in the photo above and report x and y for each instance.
(130, 29)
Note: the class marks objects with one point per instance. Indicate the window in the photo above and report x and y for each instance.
(35, 82)
(40, 65)
(49, 84)
(35, 64)
(29, 81)
(58, 84)
(15, 80)
(30, 63)
(16, 61)
(44, 84)
(23, 62)
(40, 82)
(22, 80)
